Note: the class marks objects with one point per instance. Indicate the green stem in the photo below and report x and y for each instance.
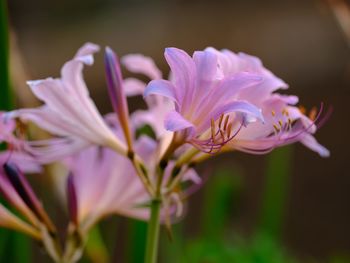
(6, 102)
(153, 232)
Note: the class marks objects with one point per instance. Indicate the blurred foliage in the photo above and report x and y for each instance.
(217, 243)
(276, 190)
(11, 243)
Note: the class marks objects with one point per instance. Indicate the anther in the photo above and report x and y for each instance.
(313, 113)
(276, 128)
(302, 109)
(280, 123)
(273, 113)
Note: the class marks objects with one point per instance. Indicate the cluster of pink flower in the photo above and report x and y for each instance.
(212, 102)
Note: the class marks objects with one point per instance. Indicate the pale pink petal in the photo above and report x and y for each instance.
(133, 87)
(163, 88)
(309, 141)
(138, 63)
(175, 122)
(206, 65)
(225, 92)
(26, 163)
(184, 74)
(68, 110)
(192, 175)
(84, 53)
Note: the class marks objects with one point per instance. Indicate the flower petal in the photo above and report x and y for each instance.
(175, 122)
(309, 141)
(184, 74)
(248, 110)
(163, 88)
(133, 87)
(138, 63)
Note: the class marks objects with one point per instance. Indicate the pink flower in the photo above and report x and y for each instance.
(284, 123)
(102, 183)
(220, 97)
(68, 112)
(202, 93)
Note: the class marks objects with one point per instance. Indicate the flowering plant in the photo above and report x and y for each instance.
(212, 102)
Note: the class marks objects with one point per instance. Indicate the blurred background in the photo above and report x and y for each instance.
(288, 206)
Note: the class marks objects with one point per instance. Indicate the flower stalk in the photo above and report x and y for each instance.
(153, 232)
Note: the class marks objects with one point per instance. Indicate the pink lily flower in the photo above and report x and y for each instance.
(201, 86)
(284, 123)
(116, 189)
(68, 113)
(203, 94)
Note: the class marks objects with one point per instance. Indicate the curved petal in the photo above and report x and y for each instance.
(309, 141)
(85, 53)
(184, 75)
(161, 87)
(226, 91)
(133, 87)
(175, 122)
(138, 63)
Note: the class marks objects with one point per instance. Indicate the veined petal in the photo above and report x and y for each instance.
(208, 75)
(68, 110)
(309, 141)
(138, 63)
(206, 64)
(225, 92)
(161, 87)
(184, 75)
(175, 122)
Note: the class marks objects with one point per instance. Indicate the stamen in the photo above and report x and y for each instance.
(220, 120)
(289, 123)
(226, 121)
(222, 136)
(276, 128)
(212, 124)
(229, 127)
(273, 113)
